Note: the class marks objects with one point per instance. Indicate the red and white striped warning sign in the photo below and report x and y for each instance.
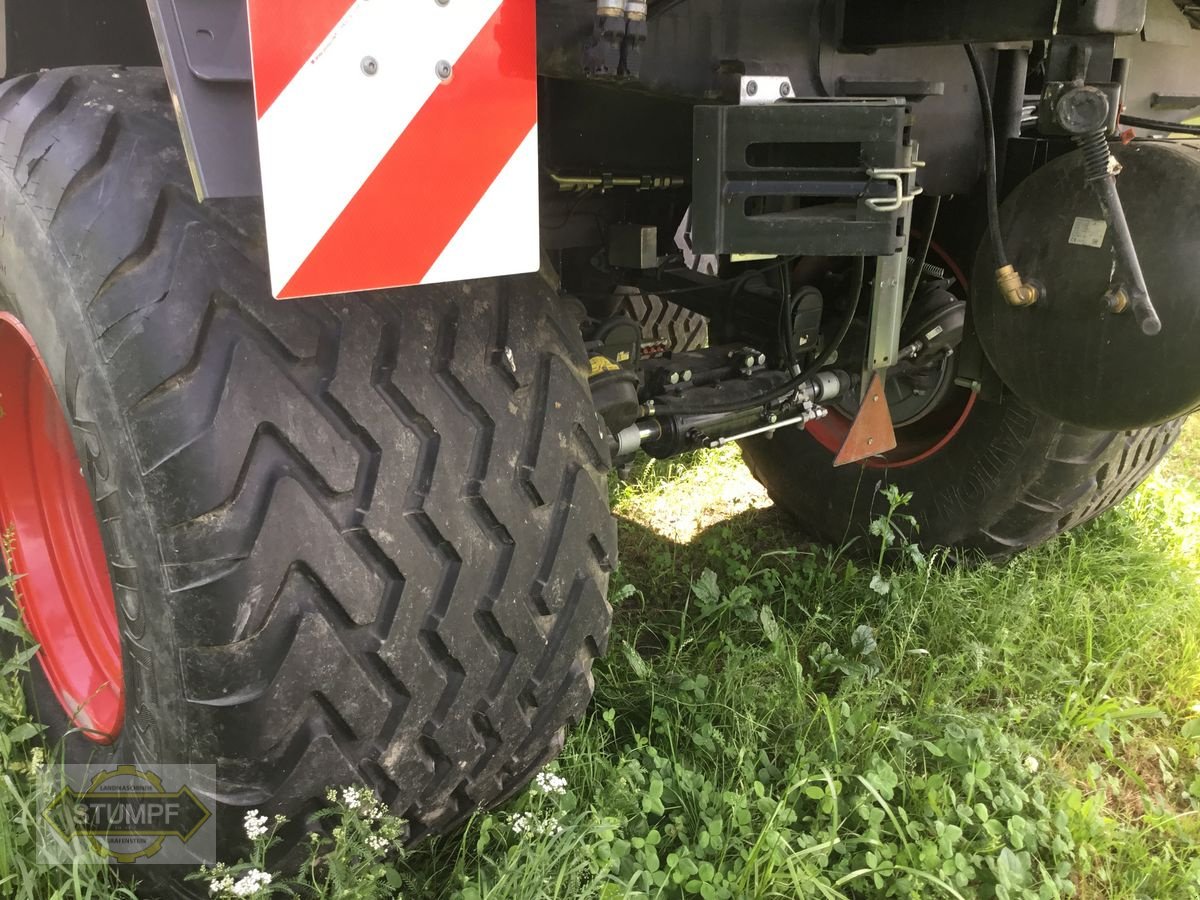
(398, 141)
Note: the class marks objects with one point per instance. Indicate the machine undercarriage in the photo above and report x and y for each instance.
(950, 247)
(842, 229)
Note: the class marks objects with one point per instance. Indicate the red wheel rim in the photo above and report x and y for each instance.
(65, 594)
(831, 431)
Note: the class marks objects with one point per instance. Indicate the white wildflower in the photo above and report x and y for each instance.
(1032, 764)
(378, 843)
(351, 798)
(372, 807)
(220, 885)
(549, 783)
(525, 823)
(255, 825)
(253, 882)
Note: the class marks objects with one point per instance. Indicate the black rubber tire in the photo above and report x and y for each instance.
(1009, 480)
(352, 539)
(676, 328)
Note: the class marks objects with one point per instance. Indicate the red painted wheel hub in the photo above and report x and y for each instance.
(65, 593)
(831, 434)
(915, 444)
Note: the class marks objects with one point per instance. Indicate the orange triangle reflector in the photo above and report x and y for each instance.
(872, 432)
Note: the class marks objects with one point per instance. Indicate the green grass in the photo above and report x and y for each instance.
(770, 723)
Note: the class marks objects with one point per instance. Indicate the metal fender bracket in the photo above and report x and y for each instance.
(397, 141)
(205, 50)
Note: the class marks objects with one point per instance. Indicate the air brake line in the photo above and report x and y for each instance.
(1016, 290)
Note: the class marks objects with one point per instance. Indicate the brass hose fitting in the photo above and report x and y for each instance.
(1015, 289)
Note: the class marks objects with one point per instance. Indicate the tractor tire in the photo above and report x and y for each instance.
(351, 540)
(664, 323)
(1010, 479)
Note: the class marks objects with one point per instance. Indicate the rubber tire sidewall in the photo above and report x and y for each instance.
(96, 220)
(36, 288)
(1011, 478)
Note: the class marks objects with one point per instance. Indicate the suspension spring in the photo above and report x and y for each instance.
(1096, 158)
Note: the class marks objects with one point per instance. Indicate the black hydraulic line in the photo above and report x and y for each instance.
(671, 409)
(1158, 125)
(992, 176)
(1015, 290)
(836, 344)
(787, 307)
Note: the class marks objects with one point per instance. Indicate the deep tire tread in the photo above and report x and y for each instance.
(1051, 477)
(390, 565)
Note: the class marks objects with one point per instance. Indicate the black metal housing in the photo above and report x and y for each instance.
(796, 178)
(694, 52)
(44, 34)
(870, 24)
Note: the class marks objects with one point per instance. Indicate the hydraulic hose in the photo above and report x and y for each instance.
(991, 175)
(1016, 291)
(672, 409)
